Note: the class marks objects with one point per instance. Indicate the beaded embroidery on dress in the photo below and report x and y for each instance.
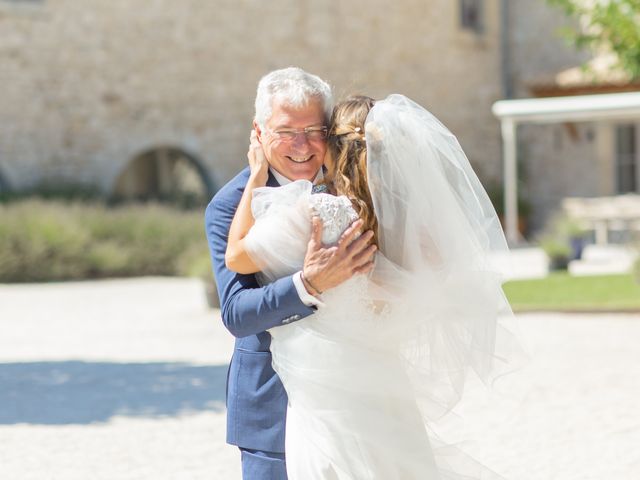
(336, 214)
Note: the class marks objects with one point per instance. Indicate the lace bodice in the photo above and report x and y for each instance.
(336, 214)
(279, 238)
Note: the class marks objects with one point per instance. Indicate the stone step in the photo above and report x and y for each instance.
(608, 253)
(581, 268)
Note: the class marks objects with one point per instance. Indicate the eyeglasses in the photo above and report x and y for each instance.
(312, 134)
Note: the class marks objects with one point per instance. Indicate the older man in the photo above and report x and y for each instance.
(292, 111)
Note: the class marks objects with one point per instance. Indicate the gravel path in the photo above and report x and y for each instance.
(124, 379)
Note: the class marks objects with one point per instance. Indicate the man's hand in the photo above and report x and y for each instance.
(325, 268)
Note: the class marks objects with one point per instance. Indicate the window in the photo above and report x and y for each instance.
(627, 159)
(471, 15)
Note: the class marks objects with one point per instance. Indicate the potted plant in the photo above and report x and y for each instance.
(563, 240)
(199, 265)
(558, 251)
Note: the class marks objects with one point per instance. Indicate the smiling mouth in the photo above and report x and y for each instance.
(304, 159)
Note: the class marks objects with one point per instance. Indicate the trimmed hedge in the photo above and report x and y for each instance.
(46, 241)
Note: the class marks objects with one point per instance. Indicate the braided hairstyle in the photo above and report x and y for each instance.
(347, 157)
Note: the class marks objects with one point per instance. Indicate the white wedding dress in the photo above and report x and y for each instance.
(388, 354)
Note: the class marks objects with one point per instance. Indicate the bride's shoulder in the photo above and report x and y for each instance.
(336, 213)
(325, 198)
(329, 206)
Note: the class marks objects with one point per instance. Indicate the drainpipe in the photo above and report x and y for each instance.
(505, 53)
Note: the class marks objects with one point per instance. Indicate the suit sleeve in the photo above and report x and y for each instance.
(247, 309)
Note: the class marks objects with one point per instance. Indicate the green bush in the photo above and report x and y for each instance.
(43, 241)
(54, 191)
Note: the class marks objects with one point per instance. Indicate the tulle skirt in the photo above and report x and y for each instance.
(364, 388)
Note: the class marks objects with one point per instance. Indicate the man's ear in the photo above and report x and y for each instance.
(258, 130)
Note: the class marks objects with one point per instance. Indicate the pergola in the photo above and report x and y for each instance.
(582, 108)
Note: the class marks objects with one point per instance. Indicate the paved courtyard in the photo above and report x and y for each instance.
(124, 379)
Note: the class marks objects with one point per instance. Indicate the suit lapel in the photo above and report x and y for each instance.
(271, 180)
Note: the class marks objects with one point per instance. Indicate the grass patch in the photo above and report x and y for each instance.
(561, 291)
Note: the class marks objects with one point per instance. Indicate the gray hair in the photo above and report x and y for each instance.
(292, 86)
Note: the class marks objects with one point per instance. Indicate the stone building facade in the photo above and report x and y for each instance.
(136, 97)
(583, 159)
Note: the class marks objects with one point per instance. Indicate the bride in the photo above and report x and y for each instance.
(387, 354)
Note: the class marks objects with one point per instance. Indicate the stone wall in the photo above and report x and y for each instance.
(88, 86)
(556, 160)
(538, 51)
(561, 162)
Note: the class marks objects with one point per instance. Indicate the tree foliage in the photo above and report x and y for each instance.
(612, 25)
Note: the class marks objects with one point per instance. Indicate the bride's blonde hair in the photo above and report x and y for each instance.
(347, 157)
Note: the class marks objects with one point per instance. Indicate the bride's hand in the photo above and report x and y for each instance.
(257, 160)
(327, 267)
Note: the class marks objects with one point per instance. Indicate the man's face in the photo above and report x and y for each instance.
(299, 158)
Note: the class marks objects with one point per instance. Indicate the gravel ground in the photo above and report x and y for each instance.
(124, 379)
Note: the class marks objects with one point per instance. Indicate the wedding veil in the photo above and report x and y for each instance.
(423, 186)
(439, 235)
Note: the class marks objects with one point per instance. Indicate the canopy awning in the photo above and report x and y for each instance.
(570, 109)
(582, 108)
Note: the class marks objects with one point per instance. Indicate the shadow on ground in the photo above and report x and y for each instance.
(59, 393)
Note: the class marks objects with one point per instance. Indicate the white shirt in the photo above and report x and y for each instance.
(282, 180)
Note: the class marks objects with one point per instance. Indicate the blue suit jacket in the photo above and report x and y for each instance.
(256, 399)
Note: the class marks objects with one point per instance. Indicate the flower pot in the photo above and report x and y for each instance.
(211, 293)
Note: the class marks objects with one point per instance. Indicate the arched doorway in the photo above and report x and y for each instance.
(164, 174)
